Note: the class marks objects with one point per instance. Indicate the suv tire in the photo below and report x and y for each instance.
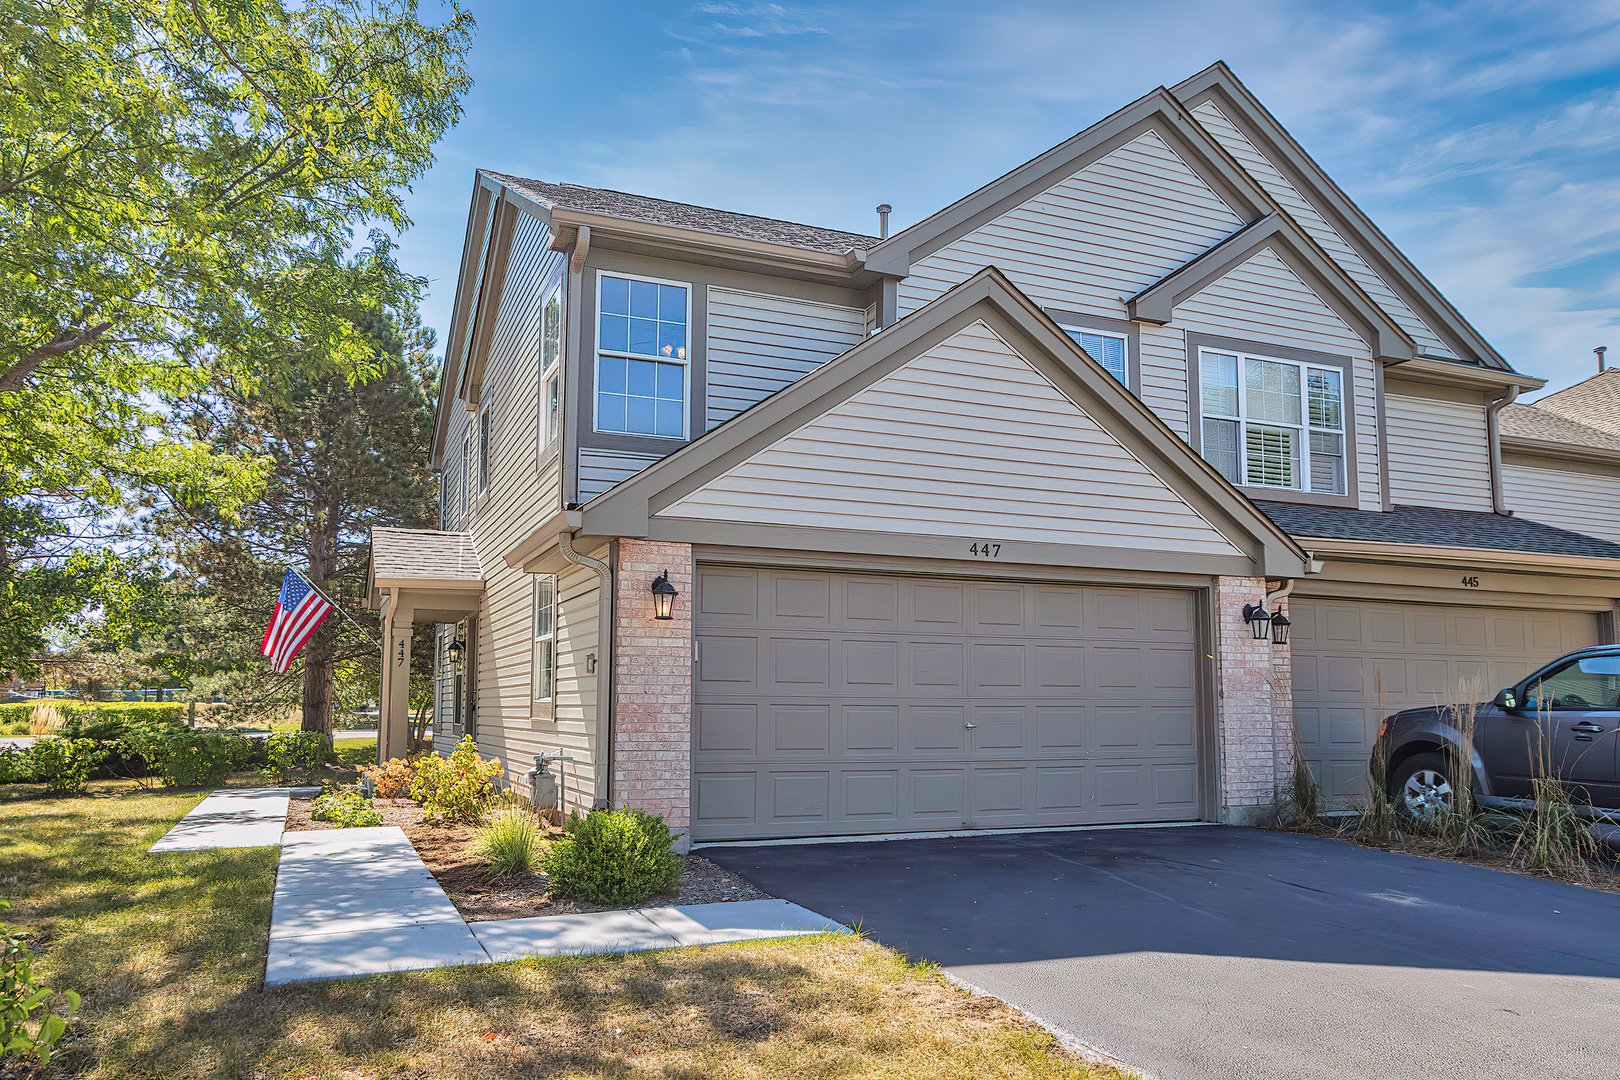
(1421, 786)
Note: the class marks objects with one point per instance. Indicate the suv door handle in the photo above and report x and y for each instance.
(1586, 727)
(970, 727)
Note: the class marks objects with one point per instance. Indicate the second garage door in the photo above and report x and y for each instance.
(1344, 651)
(836, 703)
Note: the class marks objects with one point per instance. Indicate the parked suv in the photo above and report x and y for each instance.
(1563, 719)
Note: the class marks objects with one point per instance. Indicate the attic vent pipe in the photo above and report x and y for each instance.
(1600, 350)
(883, 212)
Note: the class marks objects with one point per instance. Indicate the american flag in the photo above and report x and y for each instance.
(299, 610)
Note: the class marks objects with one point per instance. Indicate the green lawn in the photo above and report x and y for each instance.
(169, 953)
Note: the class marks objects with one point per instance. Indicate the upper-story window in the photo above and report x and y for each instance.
(467, 474)
(483, 448)
(1108, 349)
(641, 364)
(551, 337)
(1273, 423)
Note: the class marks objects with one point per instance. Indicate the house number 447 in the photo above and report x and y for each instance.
(986, 550)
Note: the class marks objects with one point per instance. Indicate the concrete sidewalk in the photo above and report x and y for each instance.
(231, 818)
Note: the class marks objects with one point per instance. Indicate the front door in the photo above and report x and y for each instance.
(1578, 708)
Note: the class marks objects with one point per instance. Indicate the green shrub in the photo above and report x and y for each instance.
(509, 842)
(21, 996)
(392, 779)
(613, 857)
(65, 764)
(345, 808)
(200, 758)
(287, 751)
(83, 716)
(17, 765)
(458, 787)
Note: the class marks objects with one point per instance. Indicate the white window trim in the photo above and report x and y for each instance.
(551, 374)
(684, 361)
(1124, 343)
(1305, 429)
(550, 692)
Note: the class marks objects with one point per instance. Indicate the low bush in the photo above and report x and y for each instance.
(22, 1036)
(509, 841)
(613, 857)
(392, 779)
(288, 751)
(345, 808)
(17, 765)
(83, 716)
(201, 758)
(65, 764)
(458, 787)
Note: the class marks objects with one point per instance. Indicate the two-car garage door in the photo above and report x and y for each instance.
(832, 703)
(1356, 661)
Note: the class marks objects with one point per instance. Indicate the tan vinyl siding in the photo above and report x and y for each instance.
(1163, 367)
(600, 469)
(522, 493)
(1264, 301)
(573, 728)
(1278, 187)
(1109, 231)
(1438, 454)
(966, 440)
(758, 344)
(1554, 494)
(1369, 477)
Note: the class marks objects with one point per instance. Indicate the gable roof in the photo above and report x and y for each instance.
(631, 508)
(1157, 110)
(1278, 233)
(1531, 423)
(1217, 83)
(1427, 527)
(1594, 402)
(423, 556)
(644, 208)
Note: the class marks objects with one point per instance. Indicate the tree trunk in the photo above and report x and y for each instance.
(318, 678)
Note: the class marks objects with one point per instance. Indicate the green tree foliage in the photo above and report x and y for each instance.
(178, 182)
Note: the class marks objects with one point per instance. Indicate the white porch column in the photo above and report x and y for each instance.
(394, 702)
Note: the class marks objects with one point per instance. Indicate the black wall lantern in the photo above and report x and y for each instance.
(456, 650)
(664, 595)
(1279, 628)
(1259, 620)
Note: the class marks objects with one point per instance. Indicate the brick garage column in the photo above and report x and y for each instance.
(1254, 707)
(652, 685)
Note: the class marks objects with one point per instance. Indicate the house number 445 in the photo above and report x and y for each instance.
(984, 549)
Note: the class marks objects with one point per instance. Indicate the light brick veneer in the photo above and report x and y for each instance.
(652, 685)
(1254, 706)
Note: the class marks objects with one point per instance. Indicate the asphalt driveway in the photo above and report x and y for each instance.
(1221, 952)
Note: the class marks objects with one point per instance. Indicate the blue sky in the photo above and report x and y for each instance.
(1483, 138)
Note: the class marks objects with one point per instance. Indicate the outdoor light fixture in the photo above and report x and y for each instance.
(456, 650)
(1259, 620)
(1279, 628)
(664, 595)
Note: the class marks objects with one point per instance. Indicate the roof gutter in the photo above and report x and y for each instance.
(846, 263)
(1569, 451)
(1529, 561)
(1493, 439)
(604, 665)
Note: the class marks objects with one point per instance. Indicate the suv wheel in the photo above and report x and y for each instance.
(1421, 786)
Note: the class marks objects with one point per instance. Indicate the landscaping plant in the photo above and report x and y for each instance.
(65, 764)
(509, 841)
(1377, 819)
(201, 758)
(392, 779)
(613, 857)
(1553, 837)
(1461, 827)
(289, 751)
(21, 996)
(458, 787)
(45, 718)
(345, 808)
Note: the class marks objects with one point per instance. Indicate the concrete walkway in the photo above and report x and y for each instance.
(231, 818)
(352, 902)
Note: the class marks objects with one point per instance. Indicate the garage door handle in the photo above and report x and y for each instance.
(970, 727)
(1586, 728)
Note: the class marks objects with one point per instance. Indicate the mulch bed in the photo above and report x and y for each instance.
(480, 897)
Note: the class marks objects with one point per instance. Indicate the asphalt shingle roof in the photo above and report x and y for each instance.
(621, 204)
(1436, 528)
(1534, 422)
(1594, 402)
(424, 555)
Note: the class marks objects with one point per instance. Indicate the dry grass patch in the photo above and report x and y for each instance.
(169, 953)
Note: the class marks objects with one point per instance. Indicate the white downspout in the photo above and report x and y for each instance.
(1493, 436)
(604, 665)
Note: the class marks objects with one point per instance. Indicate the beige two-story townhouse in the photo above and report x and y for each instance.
(782, 531)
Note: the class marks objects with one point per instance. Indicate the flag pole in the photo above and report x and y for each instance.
(335, 605)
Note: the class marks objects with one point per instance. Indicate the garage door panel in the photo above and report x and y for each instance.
(1412, 655)
(828, 703)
